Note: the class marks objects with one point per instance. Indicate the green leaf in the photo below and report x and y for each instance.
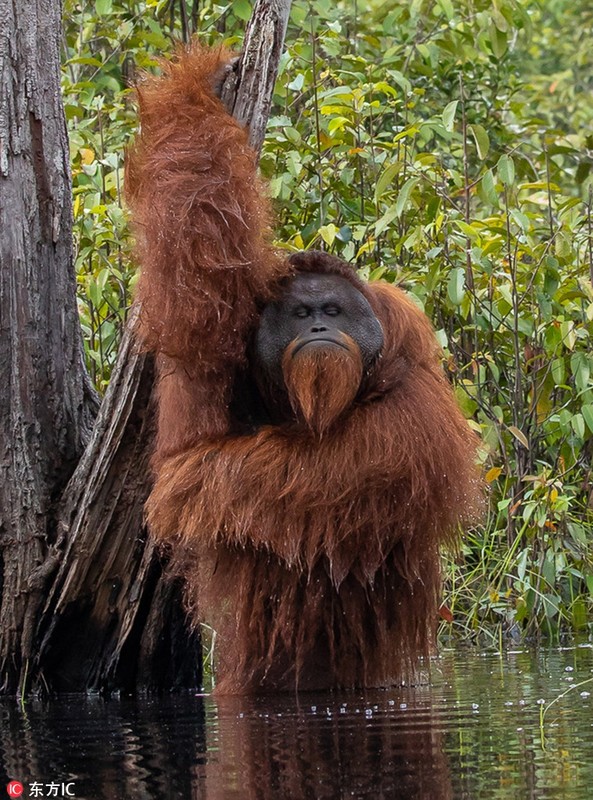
(481, 139)
(386, 178)
(448, 115)
(578, 425)
(386, 88)
(551, 603)
(401, 80)
(298, 14)
(568, 334)
(587, 412)
(328, 233)
(521, 219)
(447, 7)
(242, 9)
(337, 91)
(580, 366)
(377, 273)
(385, 221)
(488, 187)
(498, 41)
(404, 195)
(467, 404)
(469, 230)
(506, 170)
(292, 134)
(522, 564)
(297, 82)
(563, 245)
(337, 123)
(498, 19)
(578, 533)
(456, 286)
(559, 372)
(103, 7)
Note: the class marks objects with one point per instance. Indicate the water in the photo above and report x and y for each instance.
(475, 731)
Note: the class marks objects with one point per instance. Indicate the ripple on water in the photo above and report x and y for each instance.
(517, 725)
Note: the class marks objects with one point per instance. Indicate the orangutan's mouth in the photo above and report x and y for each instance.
(317, 340)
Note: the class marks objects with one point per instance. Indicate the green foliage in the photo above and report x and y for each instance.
(441, 145)
(98, 40)
(106, 44)
(429, 145)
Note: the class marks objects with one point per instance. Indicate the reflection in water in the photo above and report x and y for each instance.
(474, 732)
(363, 747)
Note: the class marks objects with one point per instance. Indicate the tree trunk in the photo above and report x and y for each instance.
(258, 68)
(85, 601)
(46, 403)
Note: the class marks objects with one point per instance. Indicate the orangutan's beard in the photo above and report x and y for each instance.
(322, 380)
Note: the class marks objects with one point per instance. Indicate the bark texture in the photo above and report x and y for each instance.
(247, 92)
(46, 402)
(85, 600)
(110, 590)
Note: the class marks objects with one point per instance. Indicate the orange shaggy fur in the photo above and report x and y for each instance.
(322, 384)
(311, 549)
(203, 241)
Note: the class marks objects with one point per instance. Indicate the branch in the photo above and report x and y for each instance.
(247, 92)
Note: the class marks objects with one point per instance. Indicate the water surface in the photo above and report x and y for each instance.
(517, 725)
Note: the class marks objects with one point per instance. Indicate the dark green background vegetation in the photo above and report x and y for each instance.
(445, 146)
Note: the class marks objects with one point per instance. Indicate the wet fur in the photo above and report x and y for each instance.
(322, 382)
(312, 545)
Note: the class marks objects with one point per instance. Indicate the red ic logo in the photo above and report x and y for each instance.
(15, 789)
